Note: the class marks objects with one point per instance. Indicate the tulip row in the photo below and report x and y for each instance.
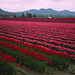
(52, 46)
(51, 58)
(5, 65)
(22, 36)
(32, 36)
(24, 51)
(6, 58)
(36, 47)
(49, 32)
(35, 28)
(69, 20)
(24, 60)
(32, 43)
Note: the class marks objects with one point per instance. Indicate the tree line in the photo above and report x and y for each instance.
(29, 15)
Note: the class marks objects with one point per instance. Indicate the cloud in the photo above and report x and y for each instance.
(22, 5)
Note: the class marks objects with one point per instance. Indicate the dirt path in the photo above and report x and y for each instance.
(55, 71)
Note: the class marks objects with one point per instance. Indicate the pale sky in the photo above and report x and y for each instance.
(22, 5)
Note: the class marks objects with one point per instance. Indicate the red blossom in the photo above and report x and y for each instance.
(15, 64)
(20, 65)
(5, 60)
(50, 62)
(0, 59)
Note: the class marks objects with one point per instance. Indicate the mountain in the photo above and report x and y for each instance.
(5, 12)
(67, 12)
(41, 11)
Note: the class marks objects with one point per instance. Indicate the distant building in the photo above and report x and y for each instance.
(49, 17)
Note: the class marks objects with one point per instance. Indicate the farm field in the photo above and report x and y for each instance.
(37, 48)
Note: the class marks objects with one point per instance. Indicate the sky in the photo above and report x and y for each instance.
(23, 5)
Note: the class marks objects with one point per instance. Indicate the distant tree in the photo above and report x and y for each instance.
(29, 15)
(71, 16)
(41, 16)
(14, 16)
(34, 16)
(22, 15)
(62, 16)
(57, 16)
(1, 15)
(46, 16)
(66, 16)
(7, 15)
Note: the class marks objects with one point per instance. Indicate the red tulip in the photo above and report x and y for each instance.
(15, 64)
(0, 59)
(20, 65)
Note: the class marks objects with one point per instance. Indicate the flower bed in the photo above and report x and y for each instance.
(34, 43)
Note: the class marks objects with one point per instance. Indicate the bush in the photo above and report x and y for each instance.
(7, 68)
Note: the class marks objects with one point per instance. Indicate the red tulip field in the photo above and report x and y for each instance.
(37, 45)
